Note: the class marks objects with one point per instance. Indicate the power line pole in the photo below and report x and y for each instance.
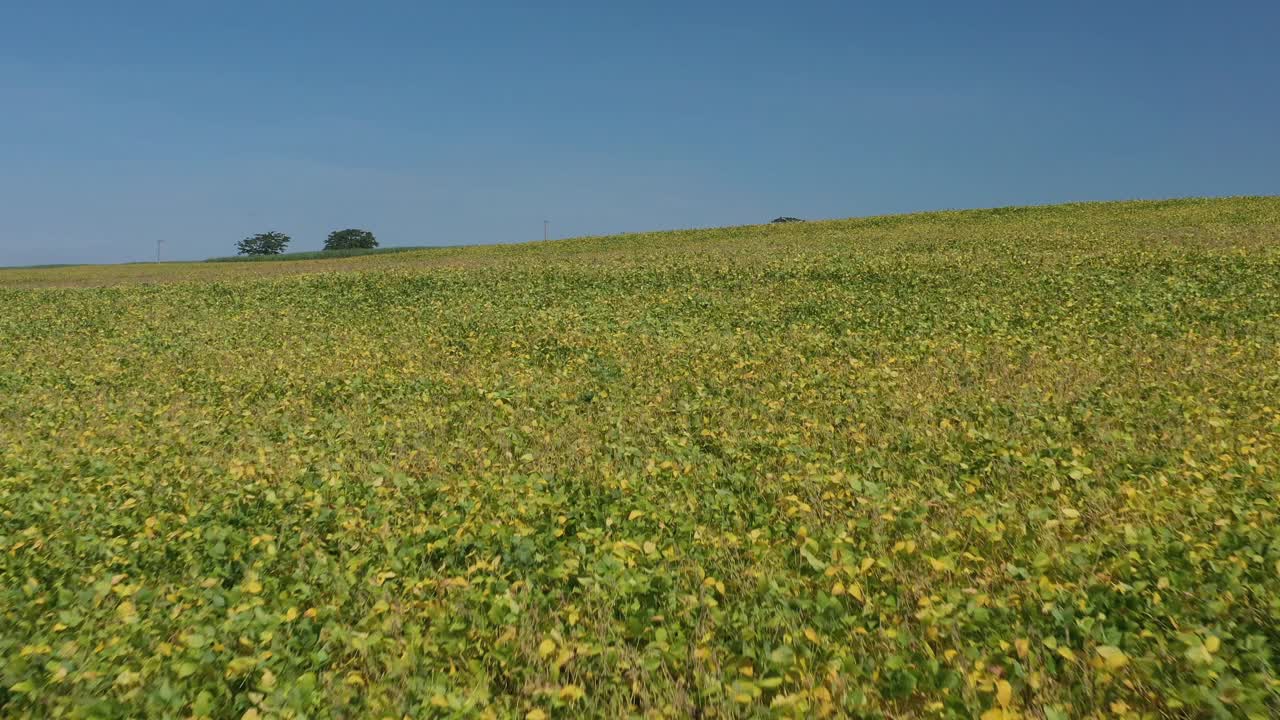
(545, 223)
(158, 243)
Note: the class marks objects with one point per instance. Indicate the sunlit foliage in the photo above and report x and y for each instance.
(1016, 463)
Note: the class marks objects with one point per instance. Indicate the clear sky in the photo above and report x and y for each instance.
(471, 122)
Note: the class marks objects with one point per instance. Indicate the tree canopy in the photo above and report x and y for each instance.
(267, 243)
(350, 239)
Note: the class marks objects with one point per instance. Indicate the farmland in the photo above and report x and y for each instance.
(1004, 463)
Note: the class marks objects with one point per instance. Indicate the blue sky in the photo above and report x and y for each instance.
(445, 123)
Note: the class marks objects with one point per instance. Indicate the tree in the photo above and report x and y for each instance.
(350, 239)
(267, 243)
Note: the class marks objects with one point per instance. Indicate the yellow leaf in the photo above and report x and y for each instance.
(837, 589)
(127, 612)
(1004, 693)
(546, 647)
(811, 635)
(535, 714)
(855, 590)
(635, 514)
(1035, 680)
(571, 693)
(1212, 643)
(1024, 647)
(1114, 656)
(1070, 513)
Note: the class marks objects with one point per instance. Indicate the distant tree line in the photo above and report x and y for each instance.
(274, 243)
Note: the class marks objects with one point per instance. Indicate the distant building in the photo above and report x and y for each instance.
(785, 220)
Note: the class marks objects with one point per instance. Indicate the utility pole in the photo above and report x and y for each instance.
(545, 223)
(159, 242)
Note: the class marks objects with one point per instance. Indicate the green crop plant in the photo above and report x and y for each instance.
(1006, 463)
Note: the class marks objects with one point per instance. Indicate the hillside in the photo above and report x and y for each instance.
(1054, 233)
(1022, 462)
